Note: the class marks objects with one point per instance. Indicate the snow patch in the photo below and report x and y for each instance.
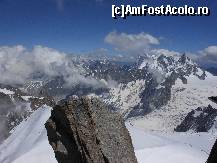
(6, 91)
(126, 96)
(197, 113)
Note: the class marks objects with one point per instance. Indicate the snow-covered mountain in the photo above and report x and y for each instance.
(168, 88)
(28, 143)
(184, 98)
(156, 93)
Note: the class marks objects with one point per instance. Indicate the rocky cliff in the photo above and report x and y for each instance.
(83, 130)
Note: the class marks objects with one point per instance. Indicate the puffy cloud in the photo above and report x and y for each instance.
(19, 65)
(165, 52)
(131, 42)
(211, 50)
(207, 56)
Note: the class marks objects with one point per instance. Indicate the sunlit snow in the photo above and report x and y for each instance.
(28, 143)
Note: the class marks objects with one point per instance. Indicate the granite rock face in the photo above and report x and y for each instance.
(213, 99)
(83, 130)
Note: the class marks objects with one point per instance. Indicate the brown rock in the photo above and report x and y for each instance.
(83, 130)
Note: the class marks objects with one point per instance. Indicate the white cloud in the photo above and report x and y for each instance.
(165, 52)
(211, 50)
(131, 42)
(18, 65)
(207, 56)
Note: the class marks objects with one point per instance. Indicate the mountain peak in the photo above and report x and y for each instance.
(167, 64)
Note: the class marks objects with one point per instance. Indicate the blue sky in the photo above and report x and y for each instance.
(82, 25)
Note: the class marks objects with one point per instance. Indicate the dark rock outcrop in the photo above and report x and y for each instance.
(5, 107)
(213, 154)
(213, 99)
(83, 130)
(199, 120)
(37, 102)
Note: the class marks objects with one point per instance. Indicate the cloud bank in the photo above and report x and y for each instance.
(209, 54)
(19, 65)
(131, 43)
(165, 52)
(206, 57)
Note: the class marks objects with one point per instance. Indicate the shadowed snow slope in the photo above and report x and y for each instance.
(28, 143)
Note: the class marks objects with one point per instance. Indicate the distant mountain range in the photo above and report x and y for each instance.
(156, 92)
(166, 94)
